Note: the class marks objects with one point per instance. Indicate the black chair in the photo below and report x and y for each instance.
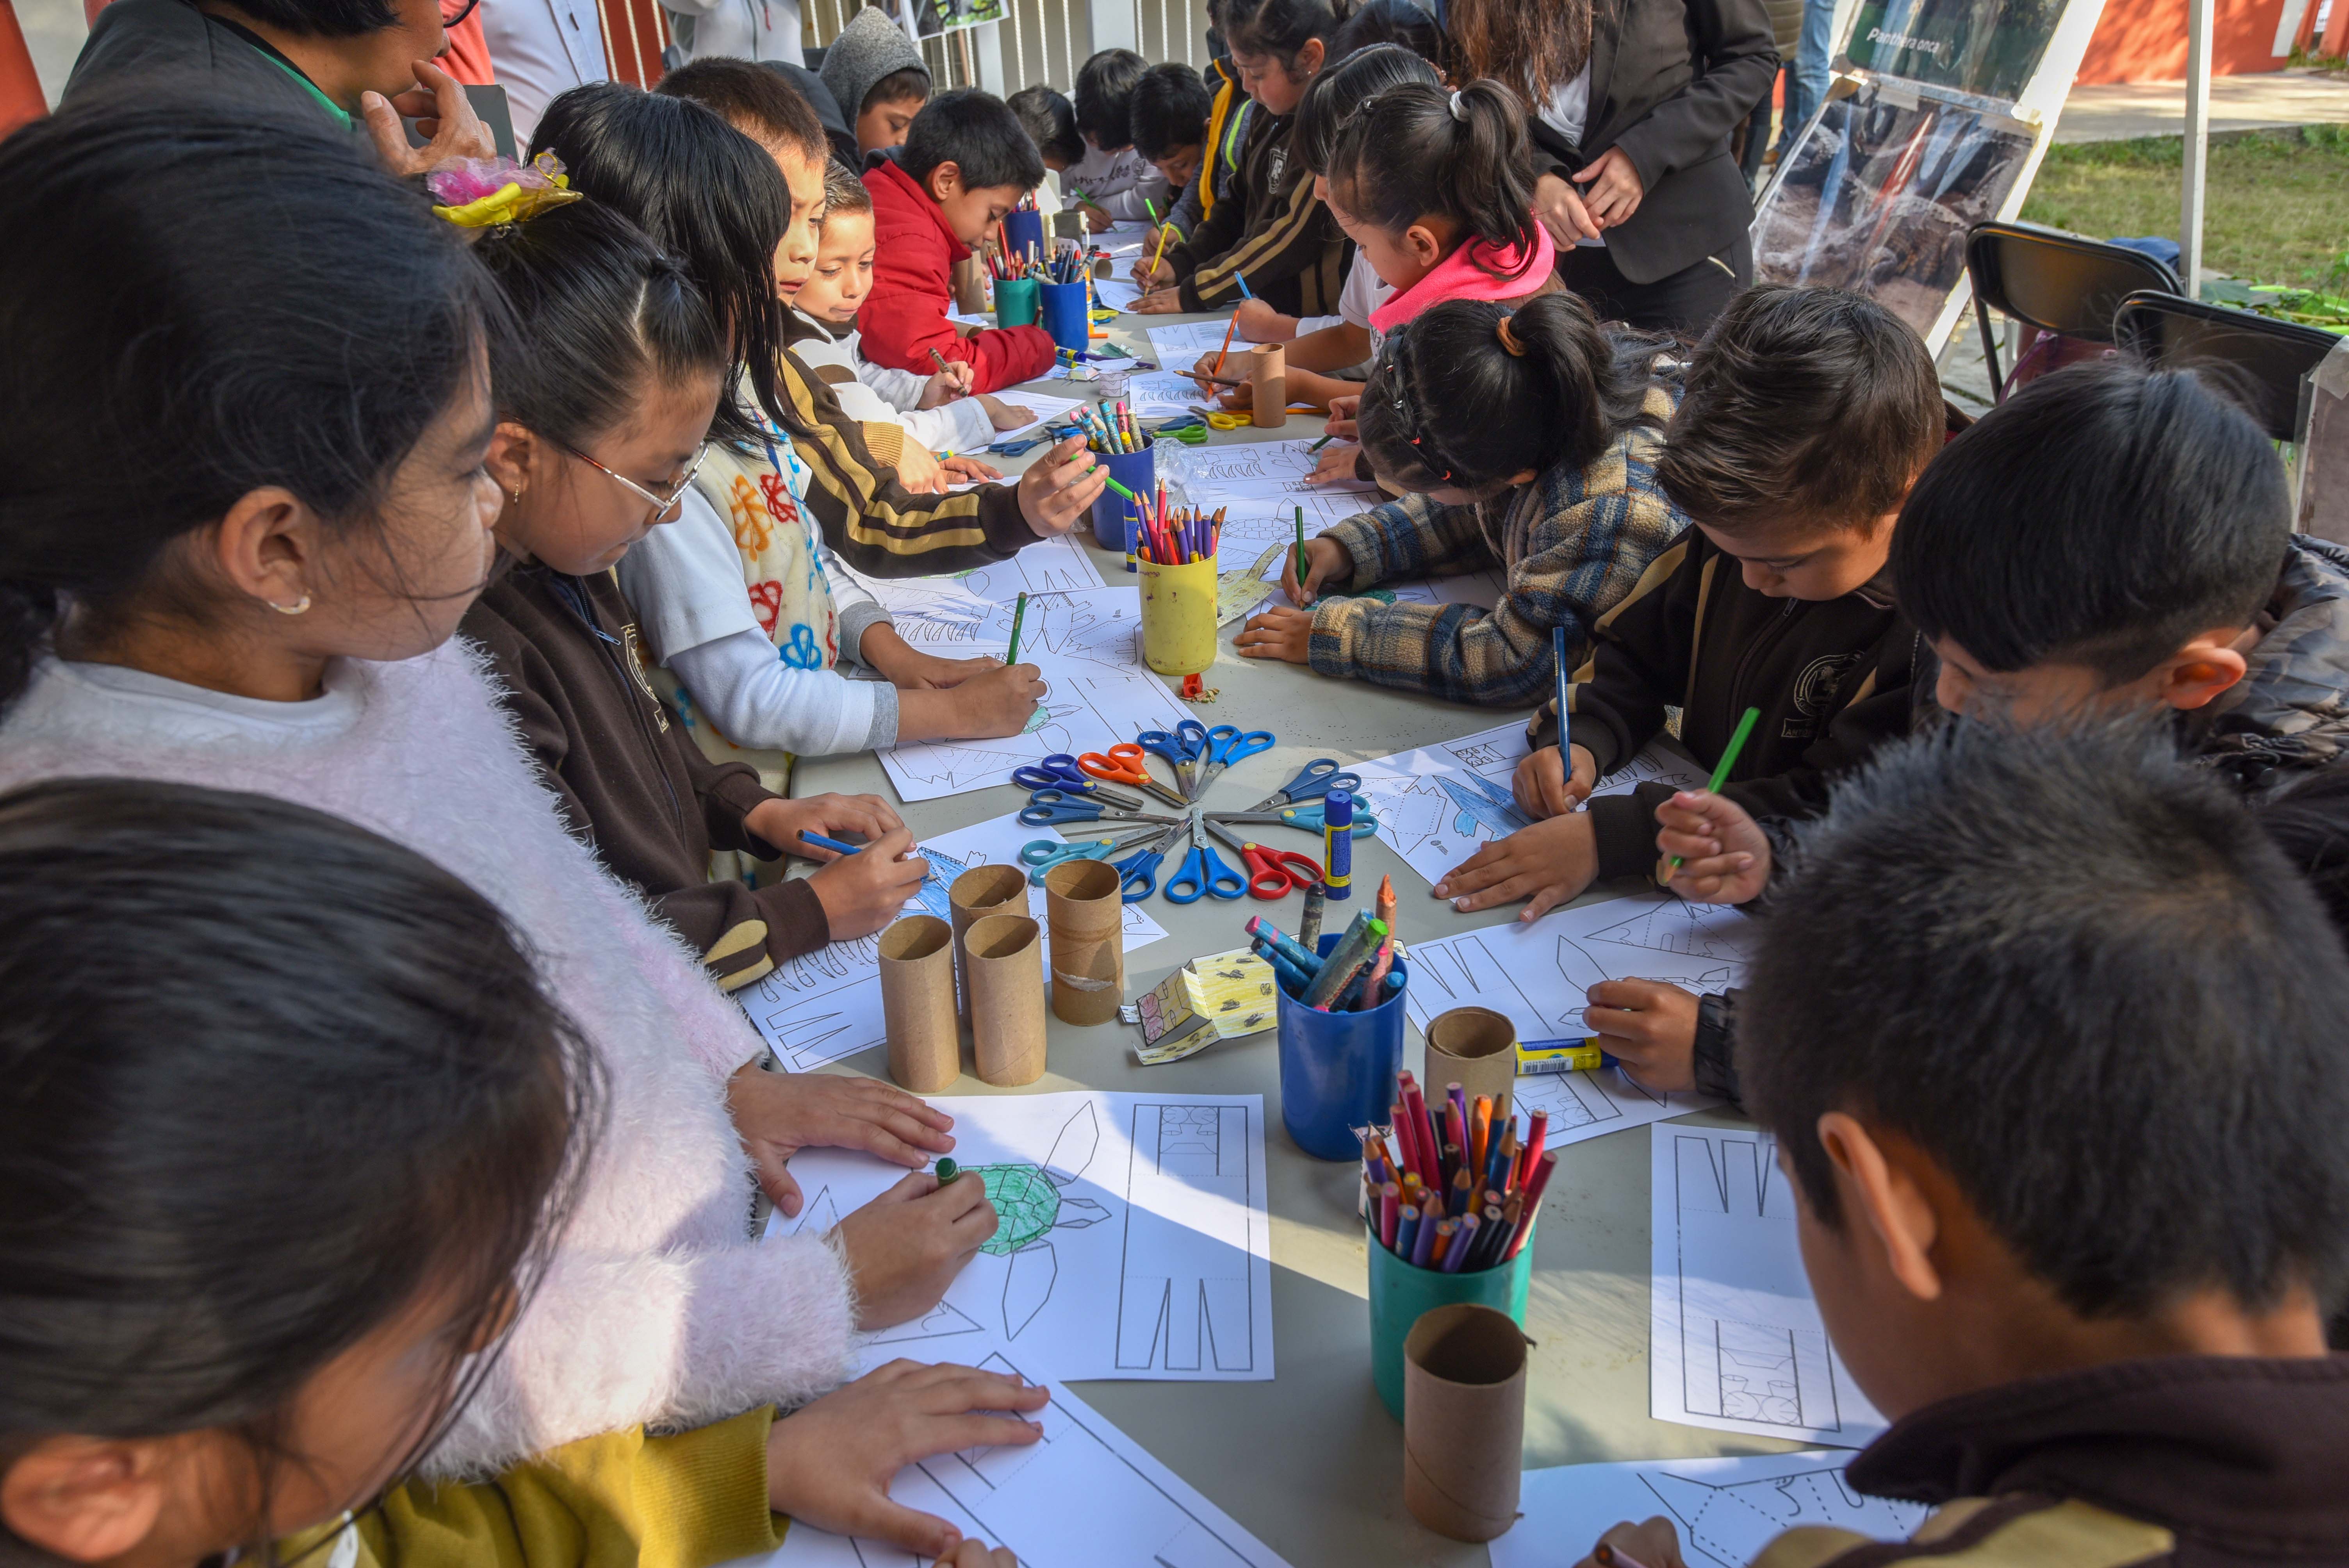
(2264, 358)
(2054, 281)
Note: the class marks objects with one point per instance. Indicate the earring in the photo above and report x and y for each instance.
(516, 493)
(296, 608)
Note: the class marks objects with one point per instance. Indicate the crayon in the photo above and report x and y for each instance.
(1293, 980)
(1353, 950)
(1728, 758)
(1384, 906)
(948, 1170)
(1374, 989)
(1309, 924)
(940, 360)
(1304, 957)
(1018, 613)
(1337, 843)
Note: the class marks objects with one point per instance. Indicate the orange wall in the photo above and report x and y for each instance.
(2145, 40)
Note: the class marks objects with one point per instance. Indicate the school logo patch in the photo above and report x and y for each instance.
(1814, 691)
(1278, 161)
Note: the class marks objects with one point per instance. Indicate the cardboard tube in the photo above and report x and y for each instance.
(917, 1004)
(970, 286)
(1005, 954)
(1463, 1420)
(979, 892)
(1267, 387)
(1088, 921)
(1476, 1048)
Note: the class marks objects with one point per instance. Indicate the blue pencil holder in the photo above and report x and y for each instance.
(1062, 306)
(1023, 230)
(1338, 1069)
(1115, 520)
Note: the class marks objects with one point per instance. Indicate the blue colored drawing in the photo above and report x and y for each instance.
(932, 894)
(1482, 801)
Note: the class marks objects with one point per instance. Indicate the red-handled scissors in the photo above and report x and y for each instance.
(1272, 874)
(1123, 765)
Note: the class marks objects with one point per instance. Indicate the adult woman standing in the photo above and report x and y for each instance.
(1634, 103)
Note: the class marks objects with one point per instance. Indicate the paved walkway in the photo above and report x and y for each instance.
(2117, 112)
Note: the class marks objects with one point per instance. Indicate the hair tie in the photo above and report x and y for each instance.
(487, 193)
(1509, 339)
(1459, 110)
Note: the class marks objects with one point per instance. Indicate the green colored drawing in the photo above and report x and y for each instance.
(1031, 1202)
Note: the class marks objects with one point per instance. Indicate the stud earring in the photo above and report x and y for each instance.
(296, 608)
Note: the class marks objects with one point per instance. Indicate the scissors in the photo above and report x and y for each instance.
(1271, 872)
(1046, 807)
(1138, 874)
(1312, 818)
(1183, 749)
(1044, 854)
(1063, 771)
(1123, 763)
(1314, 781)
(1226, 745)
(1191, 429)
(1204, 872)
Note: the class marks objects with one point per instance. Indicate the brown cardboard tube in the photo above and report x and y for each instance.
(1087, 918)
(1267, 386)
(1463, 1420)
(1476, 1048)
(917, 1004)
(1004, 954)
(970, 286)
(979, 892)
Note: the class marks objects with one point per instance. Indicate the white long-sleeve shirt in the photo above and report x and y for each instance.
(878, 395)
(541, 49)
(746, 29)
(1117, 183)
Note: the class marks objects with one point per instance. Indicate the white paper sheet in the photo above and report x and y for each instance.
(1162, 393)
(1182, 342)
(1133, 1240)
(1725, 1510)
(1085, 1496)
(1116, 293)
(1047, 566)
(1734, 1338)
(1046, 409)
(826, 1005)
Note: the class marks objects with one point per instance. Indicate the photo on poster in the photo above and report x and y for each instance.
(1967, 46)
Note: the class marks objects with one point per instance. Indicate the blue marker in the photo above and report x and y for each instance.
(1337, 843)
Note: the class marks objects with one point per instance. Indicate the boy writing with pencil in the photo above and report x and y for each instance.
(2046, 1032)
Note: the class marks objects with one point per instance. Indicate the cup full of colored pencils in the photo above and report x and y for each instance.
(1451, 1188)
(1114, 438)
(1175, 549)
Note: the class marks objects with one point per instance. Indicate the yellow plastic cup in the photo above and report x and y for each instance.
(1178, 616)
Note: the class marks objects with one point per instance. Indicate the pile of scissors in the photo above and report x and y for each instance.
(1197, 754)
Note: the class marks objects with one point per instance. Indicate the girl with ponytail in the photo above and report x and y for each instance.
(1524, 437)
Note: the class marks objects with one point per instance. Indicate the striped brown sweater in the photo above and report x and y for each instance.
(1269, 228)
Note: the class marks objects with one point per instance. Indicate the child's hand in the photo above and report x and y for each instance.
(1280, 633)
(1096, 218)
(919, 471)
(953, 382)
(1059, 488)
(1544, 788)
(1343, 411)
(776, 1115)
(1228, 397)
(994, 700)
(1337, 465)
(830, 1463)
(442, 112)
(1545, 864)
(1160, 301)
(1259, 322)
(886, 650)
(961, 468)
(1649, 1027)
(780, 822)
(1326, 561)
(979, 1554)
(864, 892)
(1655, 1544)
(906, 1246)
(1724, 854)
(1160, 276)
(1005, 416)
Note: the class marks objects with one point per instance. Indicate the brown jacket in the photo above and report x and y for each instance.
(630, 781)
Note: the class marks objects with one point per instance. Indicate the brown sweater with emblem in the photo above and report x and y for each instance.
(628, 779)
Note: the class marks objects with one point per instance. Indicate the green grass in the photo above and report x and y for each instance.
(2278, 208)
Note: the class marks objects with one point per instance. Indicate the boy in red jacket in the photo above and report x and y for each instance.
(964, 163)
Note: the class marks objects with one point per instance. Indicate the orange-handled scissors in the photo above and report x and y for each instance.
(1124, 765)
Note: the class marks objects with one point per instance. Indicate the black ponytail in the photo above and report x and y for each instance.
(1470, 392)
(202, 299)
(602, 316)
(1417, 150)
(1338, 92)
(1281, 28)
(707, 194)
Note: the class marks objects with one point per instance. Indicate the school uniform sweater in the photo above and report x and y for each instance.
(628, 779)
(904, 318)
(657, 1305)
(1271, 228)
(1573, 543)
(1832, 679)
(2172, 1461)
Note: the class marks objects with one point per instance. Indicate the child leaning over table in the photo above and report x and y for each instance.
(1527, 437)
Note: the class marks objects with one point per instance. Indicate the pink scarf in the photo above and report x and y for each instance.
(1467, 274)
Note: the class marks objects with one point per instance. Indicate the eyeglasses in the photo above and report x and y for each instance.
(660, 503)
(455, 11)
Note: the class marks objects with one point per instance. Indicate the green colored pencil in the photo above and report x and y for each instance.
(1300, 550)
(1018, 613)
(1720, 770)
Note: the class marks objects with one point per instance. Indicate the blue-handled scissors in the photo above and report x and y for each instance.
(1181, 751)
(1313, 782)
(1204, 873)
(1226, 745)
(1046, 807)
(1310, 818)
(1060, 771)
(1044, 854)
(1138, 874)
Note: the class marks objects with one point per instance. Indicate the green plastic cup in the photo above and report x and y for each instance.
(1401, 1294)
(1015, 302)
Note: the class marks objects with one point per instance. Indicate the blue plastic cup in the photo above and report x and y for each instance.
(1024, 229)
(1338, 1070)
(1064, 308)
(1115, 520)
(1015, 302)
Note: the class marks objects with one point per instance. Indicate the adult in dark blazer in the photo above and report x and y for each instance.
(1634, 102)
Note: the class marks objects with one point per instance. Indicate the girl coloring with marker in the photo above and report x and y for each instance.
(1524, 440)
(318, 1160)
(230, 558)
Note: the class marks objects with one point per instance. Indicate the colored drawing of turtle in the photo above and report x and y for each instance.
(1031, 1202)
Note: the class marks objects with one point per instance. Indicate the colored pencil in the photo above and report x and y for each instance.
(1719, 770)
